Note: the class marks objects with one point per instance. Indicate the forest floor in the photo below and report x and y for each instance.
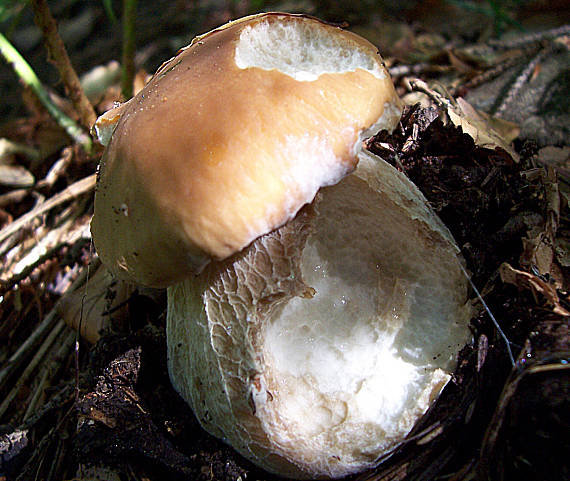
(485, 138)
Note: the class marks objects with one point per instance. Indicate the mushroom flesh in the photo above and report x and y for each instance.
(316, 304)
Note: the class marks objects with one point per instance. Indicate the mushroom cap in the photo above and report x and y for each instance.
(229, 139)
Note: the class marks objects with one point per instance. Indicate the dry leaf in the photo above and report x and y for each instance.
(538, 252)
(562, 249)
(525, 280)
(478, 126)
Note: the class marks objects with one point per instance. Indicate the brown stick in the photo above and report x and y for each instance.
(58, 56)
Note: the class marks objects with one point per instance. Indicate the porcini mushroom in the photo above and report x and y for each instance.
(316, 304)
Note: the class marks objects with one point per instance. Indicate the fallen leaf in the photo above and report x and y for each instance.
(478, 126)
(526, 280)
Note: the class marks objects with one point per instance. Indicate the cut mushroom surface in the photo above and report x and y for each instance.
(317, 349)
(316, 303)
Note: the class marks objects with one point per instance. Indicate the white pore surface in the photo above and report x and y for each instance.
(353, 373)
(300, 49)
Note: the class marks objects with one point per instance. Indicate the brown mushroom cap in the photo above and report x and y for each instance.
(230, 139)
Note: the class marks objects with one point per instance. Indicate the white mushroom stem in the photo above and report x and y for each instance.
(316, 335)
(318, 347)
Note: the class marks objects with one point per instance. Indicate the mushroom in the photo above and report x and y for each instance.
(316, 304)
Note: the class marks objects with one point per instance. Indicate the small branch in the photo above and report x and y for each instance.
(519, 82)
(525, 39)
(74, 190)
(57, 169)
(60, 399)
(9, 283)
(58, 56)
(416, 84)
(128, 73)
(30, 79)
(417, 69)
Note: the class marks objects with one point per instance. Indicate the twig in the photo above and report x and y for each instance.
(416, 84)
(58, 56)
(29, 78)
(31, 342)
(520, 81)
(71, 231)
(493, 72)
(57, 169)
(525, 39)
(74, 190)
(8, 146)
(417, 69)
(128, 73)
(33, 463)
(66, 240)
(7, 284)
(62, 397)
(13, 197)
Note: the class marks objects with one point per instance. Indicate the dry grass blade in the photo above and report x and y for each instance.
(50, 370)
(531, 366)
(25, 348)
(31, 367)
(47, 325)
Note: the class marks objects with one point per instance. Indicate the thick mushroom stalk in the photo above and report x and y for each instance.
(316, 304)
(318, 347)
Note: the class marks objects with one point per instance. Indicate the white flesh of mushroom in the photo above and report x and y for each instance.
(321, 386)
(318, 347)
(301, 51)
